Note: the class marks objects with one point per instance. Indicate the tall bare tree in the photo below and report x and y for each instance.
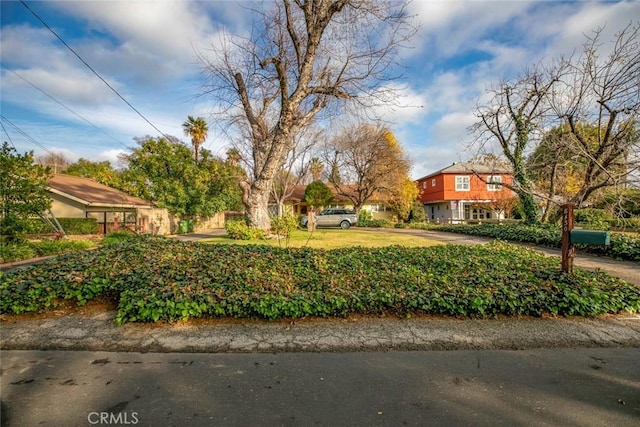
(55, 160)
(599, 105)
(514, 118)
(304, 58)
(295, 168)
(370, 161)
(593, 97)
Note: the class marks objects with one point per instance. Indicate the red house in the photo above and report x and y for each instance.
(466, 191)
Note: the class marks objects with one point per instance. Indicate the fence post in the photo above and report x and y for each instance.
(568, 250)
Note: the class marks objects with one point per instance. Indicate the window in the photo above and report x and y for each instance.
(433, 182)
(380, 207)
(424, 184)
(494, 183)
(463, 183)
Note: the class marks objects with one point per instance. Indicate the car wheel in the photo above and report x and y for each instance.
(345, 225)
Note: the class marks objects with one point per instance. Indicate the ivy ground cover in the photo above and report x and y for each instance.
(156, 279)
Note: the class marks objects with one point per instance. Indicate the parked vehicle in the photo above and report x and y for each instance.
(343, 218)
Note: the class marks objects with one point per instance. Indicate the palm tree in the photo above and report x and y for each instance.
(316, 167)
(197, 129)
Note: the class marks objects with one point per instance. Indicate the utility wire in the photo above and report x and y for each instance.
(8, 136)
(26, 135)
(63, 105)
(91, 68)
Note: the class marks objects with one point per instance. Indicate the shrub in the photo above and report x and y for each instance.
(118, 236)
(69, 225)
(284, 225)
(154, 279)
(16, 251)
(240, 230)
(56, 247)
(595, 219)
(622, 246)
(365, 219)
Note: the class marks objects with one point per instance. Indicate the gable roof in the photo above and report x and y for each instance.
(91, 193)
(469, 168)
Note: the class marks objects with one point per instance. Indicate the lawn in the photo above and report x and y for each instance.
(334, 238)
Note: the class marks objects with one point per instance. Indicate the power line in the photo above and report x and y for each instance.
(26, 135)
(8, 136)
(63, 105)
(91, 68)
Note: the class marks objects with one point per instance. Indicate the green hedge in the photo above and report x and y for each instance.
(622, 246)
(69, 225)
(156, 279)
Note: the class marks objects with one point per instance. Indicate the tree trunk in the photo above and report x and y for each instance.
(256, 201)
(526, 197)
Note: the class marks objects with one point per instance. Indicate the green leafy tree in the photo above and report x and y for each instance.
(317, 195)
(403, 197)
(197, 129)
(161, 170)
(23, 190)
(102, 172)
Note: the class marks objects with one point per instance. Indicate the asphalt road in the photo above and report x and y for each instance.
(555, 387)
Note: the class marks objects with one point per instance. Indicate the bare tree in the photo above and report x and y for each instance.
(599, 105)
(370, 161)
(295, 168)
(514, 118)
(304, 58)
(593, 103)
(55, 160)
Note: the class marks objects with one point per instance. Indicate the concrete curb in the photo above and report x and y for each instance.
(99, 333)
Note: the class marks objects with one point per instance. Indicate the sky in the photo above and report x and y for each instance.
(146, 51)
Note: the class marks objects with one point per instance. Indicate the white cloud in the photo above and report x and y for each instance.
(408, 106)
(111, 155)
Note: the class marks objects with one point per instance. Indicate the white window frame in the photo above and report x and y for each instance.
(378, 207)
(433, 182)
(424, 184)
(494, 183)
(463, 183)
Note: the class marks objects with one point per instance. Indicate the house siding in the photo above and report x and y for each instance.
(444, 203)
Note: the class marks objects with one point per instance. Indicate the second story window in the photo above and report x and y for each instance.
(494, 183)
(463, 183)
(433, 182)
(424, 184)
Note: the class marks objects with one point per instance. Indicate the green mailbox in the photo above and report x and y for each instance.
(590, 237)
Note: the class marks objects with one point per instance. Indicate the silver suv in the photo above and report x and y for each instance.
(342, 218)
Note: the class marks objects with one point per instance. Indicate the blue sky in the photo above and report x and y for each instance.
(145, 50)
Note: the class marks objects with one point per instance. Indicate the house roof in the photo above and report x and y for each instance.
(469, 168)
(91, 193)
(297, 195)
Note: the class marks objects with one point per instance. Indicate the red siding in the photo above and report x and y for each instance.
(445, 188)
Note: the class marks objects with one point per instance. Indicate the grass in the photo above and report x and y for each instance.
(21, 250)
(333, 239)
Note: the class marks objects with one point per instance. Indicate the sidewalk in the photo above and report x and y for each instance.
(97, 332)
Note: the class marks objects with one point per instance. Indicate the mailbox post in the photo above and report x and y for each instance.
(571, 236)
(568, 250)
